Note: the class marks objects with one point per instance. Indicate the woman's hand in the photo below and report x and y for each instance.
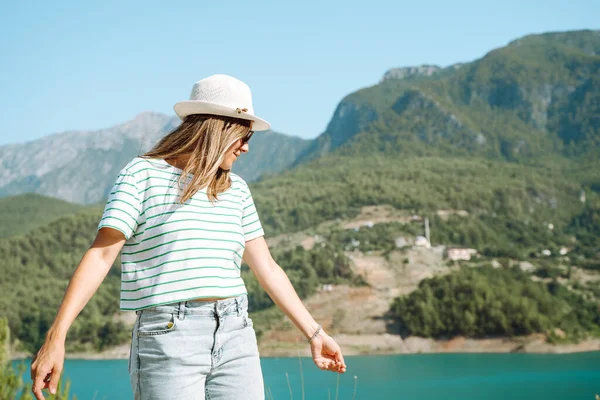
(326, 353)
(47, 366)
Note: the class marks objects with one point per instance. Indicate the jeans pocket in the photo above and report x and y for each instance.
(156, 323)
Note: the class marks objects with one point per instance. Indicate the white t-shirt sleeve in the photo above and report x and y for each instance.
(122, 208)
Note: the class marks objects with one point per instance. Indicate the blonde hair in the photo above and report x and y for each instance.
(205, 138)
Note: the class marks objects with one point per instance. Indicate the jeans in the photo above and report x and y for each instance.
(195, 350)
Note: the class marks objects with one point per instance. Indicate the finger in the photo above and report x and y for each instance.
(55, 378)
(37, 390)
(340, 358)
(324, 365)
(38, 382)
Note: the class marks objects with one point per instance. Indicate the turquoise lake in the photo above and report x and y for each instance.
(418, 376)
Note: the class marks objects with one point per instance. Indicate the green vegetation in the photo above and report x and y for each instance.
(379, 237)
(531, 101)
(486, 301)
(586, 228)
(35, 272)
(337, 186)
(21, 214)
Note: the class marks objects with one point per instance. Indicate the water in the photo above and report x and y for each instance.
(419, 376)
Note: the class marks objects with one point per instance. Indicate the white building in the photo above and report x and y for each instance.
(460, 253)
(422, 241)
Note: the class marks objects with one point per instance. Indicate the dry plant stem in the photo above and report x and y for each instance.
(289, 386)
(337, 387)
(269, 394)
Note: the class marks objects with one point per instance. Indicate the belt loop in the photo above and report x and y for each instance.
(181, 310)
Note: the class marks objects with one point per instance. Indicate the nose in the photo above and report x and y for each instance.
(245, 148)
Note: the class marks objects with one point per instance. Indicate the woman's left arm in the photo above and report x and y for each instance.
(326, 353)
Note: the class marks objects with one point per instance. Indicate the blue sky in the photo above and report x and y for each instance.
(90, 65)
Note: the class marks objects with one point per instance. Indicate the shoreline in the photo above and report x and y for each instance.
(386, 344)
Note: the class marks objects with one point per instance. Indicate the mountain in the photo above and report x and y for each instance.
(80, 166)
(269, 153)
(537, 97)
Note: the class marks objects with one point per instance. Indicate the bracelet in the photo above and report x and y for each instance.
(315, 334)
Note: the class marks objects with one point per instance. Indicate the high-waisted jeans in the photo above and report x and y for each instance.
(196, 350)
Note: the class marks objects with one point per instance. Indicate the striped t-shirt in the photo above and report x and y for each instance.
(177, 252)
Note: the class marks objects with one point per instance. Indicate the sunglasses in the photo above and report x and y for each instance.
(246, 138)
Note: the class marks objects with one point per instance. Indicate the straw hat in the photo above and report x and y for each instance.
(221, 95)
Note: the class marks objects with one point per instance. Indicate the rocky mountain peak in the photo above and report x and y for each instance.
(147, 121)
(405, 72)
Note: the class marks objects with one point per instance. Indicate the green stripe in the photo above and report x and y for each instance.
(184, 220)
(112, 226)
(125, 183)
(169, 252)
(256, 230)
(248, 206)
(123, 211)
(129, 174)
(203, 201)
(123, 201)
(199, 191)
(193, 212)
(246, 216)
(178, 280)
(189, 229)
(258, 219)
(139, 162)
(189, 248)
(173, 301)
(156, 186)
(156, 177)
(177, 270)
(200, 200)
(158, 170)
(188, 212)
(123, 191)
(188, 204)
(172, 261)
(182, 290)
(118, 219)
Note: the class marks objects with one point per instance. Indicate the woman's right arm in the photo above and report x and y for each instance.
(91, 271)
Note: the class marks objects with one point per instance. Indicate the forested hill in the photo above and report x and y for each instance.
(23, 213)
(536, 98)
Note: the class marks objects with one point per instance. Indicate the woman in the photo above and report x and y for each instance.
(183, 223)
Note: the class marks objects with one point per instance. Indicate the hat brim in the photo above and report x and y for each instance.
(188, 107)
